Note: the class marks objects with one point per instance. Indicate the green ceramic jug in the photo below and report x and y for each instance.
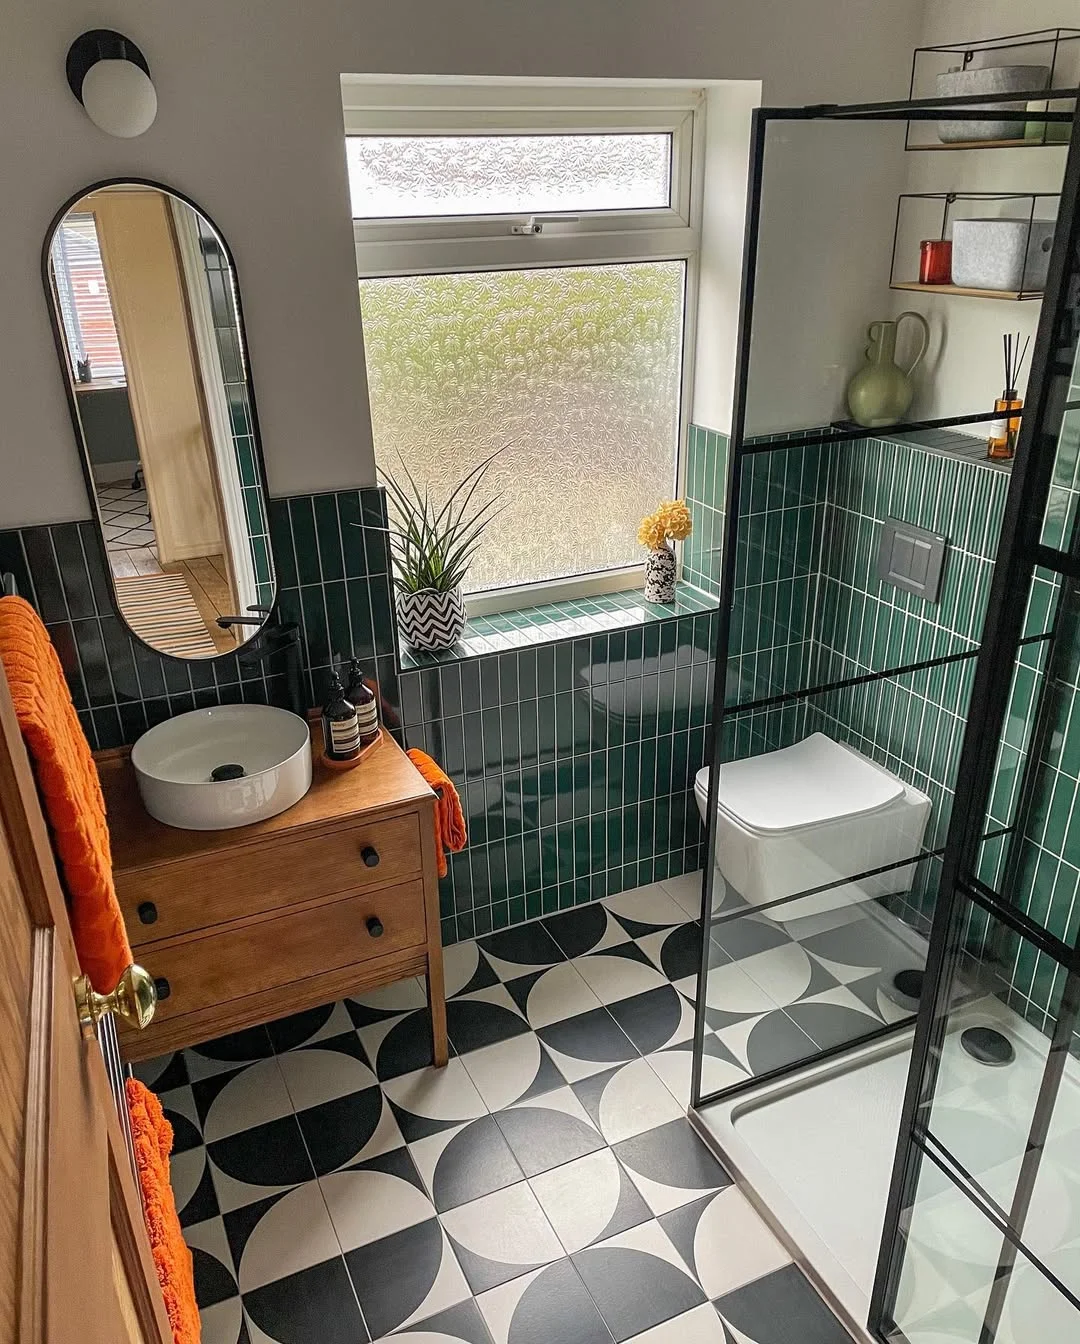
(881, 392)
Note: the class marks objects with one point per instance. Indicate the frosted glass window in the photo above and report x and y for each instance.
(577, 369)
(402, 176)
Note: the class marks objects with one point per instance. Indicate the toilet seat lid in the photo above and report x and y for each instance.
(816, 780)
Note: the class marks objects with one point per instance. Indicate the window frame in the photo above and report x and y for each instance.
(425, 245)
(68, 304)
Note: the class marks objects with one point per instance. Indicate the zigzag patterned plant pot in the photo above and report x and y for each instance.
(431, 620)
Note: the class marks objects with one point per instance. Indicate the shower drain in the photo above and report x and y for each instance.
(988, 1046)
(905, 989)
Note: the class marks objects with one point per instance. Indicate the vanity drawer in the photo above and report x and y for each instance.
(271, 953)
(196, 893)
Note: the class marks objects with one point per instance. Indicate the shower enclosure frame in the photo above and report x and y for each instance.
(1020, 553)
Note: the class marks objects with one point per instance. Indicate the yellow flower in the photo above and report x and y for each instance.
(671, 521)
(651, 532)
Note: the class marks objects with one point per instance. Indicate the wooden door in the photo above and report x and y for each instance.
(142, 272)
(75, 1264)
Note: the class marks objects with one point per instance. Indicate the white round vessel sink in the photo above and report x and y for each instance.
(228, 766)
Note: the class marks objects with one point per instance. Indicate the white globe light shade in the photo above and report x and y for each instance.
(119, 98)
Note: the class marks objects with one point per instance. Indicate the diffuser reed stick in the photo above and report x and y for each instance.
(1001, 445)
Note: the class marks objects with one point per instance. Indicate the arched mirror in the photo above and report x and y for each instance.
(148, 325)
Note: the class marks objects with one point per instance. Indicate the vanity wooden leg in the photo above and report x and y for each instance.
(436, 985)
(436, 990)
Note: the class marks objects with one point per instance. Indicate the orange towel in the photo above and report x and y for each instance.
(153, 1139)
(449, 818)
(70, 789)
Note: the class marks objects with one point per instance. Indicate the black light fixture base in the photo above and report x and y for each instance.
(988, 1046)
(100, 44)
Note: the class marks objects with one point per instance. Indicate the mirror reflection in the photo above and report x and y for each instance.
(148, 318)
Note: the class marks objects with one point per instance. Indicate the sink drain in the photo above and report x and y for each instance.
(230, 771)
(988, 1046)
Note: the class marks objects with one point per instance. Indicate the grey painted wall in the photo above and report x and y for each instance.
(250, 127)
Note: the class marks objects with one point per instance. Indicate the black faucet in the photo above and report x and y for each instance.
(261, 618)
(274, 638)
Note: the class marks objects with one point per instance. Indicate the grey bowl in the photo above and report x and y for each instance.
(988, 79)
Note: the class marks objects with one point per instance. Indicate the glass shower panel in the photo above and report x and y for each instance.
(951, 1252)
(953, 1258)
(1032, 854)
(994, 1055)
(779, 991)
(778, 548)
(1060, 516)
(1052, 1228)
(818, 935)
(818, 938)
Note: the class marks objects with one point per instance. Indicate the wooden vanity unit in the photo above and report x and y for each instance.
(333, 897)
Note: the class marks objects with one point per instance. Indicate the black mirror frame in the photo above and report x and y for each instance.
(76, 424)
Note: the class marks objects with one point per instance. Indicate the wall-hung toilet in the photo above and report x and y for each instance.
(815, 813)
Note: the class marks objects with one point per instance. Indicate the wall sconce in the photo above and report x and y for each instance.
(110, 77)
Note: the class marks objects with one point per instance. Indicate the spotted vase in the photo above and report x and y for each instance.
(660, 575)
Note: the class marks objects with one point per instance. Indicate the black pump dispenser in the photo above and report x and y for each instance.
(341, 728)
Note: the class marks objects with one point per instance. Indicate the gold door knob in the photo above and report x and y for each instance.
(134, 999)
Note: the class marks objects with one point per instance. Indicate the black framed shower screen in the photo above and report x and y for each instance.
(962, 900)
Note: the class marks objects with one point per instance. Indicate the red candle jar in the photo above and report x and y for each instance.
(935, 261)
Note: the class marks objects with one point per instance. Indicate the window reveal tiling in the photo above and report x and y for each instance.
(558, 621)
(530, 1192)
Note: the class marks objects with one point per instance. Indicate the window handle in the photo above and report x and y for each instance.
(530, 225)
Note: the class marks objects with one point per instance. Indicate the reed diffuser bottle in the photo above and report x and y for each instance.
(1001, 445)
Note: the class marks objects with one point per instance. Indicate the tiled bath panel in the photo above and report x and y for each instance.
(544, 1187)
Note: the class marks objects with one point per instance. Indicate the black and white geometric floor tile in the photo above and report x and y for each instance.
(545, 1186)
(512, 1070)
(501, 1236)
(638, 1280)
(777, 1308)
(670, 1166)
(398, 1256)
(589, 1200)
(465, 1163)
(542, 1306)
(723, 1241)
(628, 1100)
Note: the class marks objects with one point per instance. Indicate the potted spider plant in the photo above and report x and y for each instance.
(432, 546)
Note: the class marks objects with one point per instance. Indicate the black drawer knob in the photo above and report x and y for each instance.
(375, 926)
(163, 988)
(370, 855)
(147, 913)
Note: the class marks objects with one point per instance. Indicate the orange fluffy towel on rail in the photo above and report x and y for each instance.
(152, 1136)
(449, 818)
(70, 791)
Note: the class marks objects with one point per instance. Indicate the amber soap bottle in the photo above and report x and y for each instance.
(340, 724)
(363, 698)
